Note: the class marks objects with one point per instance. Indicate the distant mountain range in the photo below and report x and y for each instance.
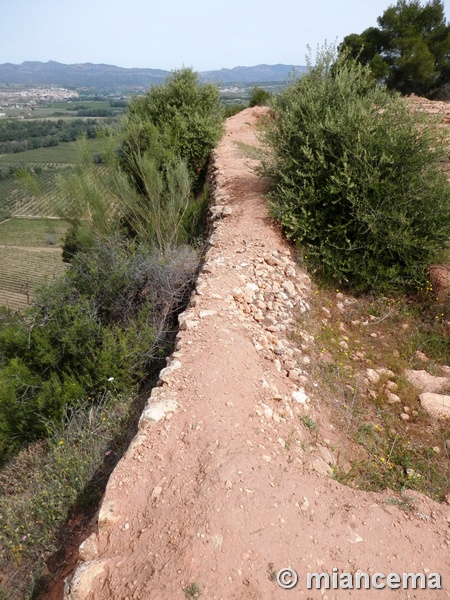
(257, 74)
(111, 77)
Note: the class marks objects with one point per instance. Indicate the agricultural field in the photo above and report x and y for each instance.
(30, 255)
(31, 234)
(30, 245)
(64, 153)
(36, 196)
(18, 199)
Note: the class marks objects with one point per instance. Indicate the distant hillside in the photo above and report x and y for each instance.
(79, 75)
(111, 77)
(257, 74)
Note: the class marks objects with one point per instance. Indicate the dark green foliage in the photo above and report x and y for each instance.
(229, 110)
(259, 97)
(357, 178)
(183, 116)
(106, 318)
(18, 136)
(145, 190)
(410, 49)
(95, 112)
(194, 219)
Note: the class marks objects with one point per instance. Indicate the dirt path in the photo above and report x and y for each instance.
(223, 486)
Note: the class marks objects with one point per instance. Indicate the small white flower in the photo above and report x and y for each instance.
(110, 378)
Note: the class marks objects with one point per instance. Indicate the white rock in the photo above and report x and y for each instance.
(166, 373)
(88, 550)
(157, 411)
(294, 374)
(386, 372)
(322, 467)
(355, 538)
(372, 376)
(108, 514)
(289, 271)
(300, 396)
(392, 398)
(289, 287)
(391, 386)
(81, 584)
(268, 412)
(436, 405)
(157, 491)
(252, 287)
(186, 323)
(426, 382)
(207, 313)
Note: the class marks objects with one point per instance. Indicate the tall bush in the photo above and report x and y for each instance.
(101, 203)
(182, 116)
(356, 177)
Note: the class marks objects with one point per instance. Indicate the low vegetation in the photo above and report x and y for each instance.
(389, 443)
(30, 256)
(67, 469)
(36, 233)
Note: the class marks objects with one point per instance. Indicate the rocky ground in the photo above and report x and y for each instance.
(224, 485)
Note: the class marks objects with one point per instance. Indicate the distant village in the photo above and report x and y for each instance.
(22, 98)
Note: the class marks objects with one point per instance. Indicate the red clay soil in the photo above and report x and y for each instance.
(223, 486)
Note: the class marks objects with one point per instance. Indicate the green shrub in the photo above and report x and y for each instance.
(107, 317)
(183, 116)
(357, 178)
(100, 204)
(156, 215)
(229, 110)
(259, 97)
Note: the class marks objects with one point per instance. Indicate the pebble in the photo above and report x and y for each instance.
(300, 396)
(392, 398)
(207, 313)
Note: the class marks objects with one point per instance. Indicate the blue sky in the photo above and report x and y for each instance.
(172, 33)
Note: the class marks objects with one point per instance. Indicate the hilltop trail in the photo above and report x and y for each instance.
(222, 480)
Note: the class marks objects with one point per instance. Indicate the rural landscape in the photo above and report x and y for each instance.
(225, 325)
